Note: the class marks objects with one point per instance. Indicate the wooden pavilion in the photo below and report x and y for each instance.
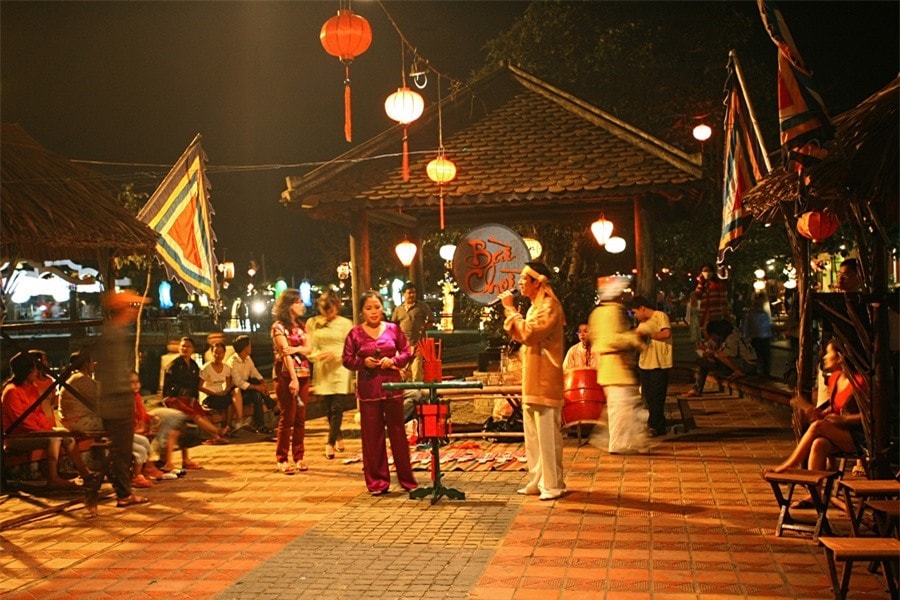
(859, 182)
(526, 152)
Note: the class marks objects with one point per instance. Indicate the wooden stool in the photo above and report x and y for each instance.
(812, 481)
(862, 490)
(847, 550)
(886, 514)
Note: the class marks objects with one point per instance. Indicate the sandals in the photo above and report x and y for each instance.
(191, 465)
(302, 466)
(803, 504)
(131, 501)
(339, 445)
(858, 471)
(329, 451)
(216, 441)
(285, 467)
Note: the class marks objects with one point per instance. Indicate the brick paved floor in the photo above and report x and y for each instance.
(693, 519)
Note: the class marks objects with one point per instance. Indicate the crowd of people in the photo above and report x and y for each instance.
(627, 340)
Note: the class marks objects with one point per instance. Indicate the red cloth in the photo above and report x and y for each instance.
(188, 406)
(141, 418)
(839, 398)
(713, 301)
(16, 400)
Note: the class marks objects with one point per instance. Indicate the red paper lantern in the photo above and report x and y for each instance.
(346, 35)
(817, 225)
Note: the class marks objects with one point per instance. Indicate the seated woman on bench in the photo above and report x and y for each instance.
(19, 394)
(836, 426)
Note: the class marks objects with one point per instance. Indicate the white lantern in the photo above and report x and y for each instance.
(447, 251)
(404, 106)
(615, 245)
(602, 229)
(702, 132)
(406, 252)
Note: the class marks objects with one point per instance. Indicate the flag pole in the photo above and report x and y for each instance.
(740, 76)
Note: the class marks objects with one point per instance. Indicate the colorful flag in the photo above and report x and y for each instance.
(804, 122)
(180, 212)
(744, 165)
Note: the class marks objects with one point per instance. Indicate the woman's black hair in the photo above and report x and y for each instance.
(21, 365)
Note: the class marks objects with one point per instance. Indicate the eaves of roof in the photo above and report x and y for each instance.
(516, 141)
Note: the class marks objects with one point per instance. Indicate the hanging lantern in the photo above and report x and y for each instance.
(535, 249)
(615, 245)
(404, 106)
(441, 170)
(406, 252)
(346, 36)
(602, 230)
(817, 225)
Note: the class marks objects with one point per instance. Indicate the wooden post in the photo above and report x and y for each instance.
(643, 252)
(360, 278)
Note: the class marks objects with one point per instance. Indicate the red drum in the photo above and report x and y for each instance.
(584, 398)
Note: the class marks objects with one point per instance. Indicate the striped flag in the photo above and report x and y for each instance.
(804, 122)
(744, 165)
(180, 211)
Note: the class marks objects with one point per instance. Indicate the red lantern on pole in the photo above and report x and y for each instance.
(346, 35)
(817, 225)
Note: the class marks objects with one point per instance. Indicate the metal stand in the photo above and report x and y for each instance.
(437, 489)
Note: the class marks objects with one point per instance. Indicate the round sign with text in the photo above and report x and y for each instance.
(488, 260)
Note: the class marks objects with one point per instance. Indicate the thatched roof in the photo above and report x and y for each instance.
(862, 165)
(525, 151)
(51, 208)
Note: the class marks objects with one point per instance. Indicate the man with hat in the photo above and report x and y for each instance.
(540, 332)
(414, 318)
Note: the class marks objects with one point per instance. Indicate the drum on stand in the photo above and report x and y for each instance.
(584, 398)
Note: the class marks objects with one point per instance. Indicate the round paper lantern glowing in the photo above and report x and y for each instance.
(346, 36)
(404, 106)
(535, 249)
(817, 225)
(441, 170)
(702, 132)
(406, 252)
(615, 245)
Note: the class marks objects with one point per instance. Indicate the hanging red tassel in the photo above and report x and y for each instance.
(405, 156)
(442, 206)
(348, 130)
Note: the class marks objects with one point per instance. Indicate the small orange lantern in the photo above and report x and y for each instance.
(441, 171)
(346, 35)
(817, 225)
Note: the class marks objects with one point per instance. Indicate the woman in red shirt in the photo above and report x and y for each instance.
(19, 394)
(836, 426)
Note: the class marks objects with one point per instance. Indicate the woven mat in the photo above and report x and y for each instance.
(466, 456)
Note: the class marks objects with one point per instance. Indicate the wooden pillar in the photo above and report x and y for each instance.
(360, 277)
(643, 252)
(884, 389)
(417, 268)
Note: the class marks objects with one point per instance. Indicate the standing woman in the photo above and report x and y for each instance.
(291, 345)
(377, 350)
(331, 381)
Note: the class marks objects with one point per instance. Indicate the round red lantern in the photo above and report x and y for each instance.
(817, 225)
(346, 36)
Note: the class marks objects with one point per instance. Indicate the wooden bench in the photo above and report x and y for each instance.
(886, 551)
(862, 490)
(813, 481)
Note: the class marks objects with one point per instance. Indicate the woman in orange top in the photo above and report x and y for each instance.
(836, 425)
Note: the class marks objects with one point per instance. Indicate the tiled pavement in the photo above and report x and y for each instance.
(693, 519)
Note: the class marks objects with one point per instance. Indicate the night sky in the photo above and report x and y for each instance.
(133, 82)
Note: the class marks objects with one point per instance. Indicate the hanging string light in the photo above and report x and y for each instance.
(346, 36)
(404, 106)
(441, 170)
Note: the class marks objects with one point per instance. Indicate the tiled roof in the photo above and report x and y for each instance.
(516, 142)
